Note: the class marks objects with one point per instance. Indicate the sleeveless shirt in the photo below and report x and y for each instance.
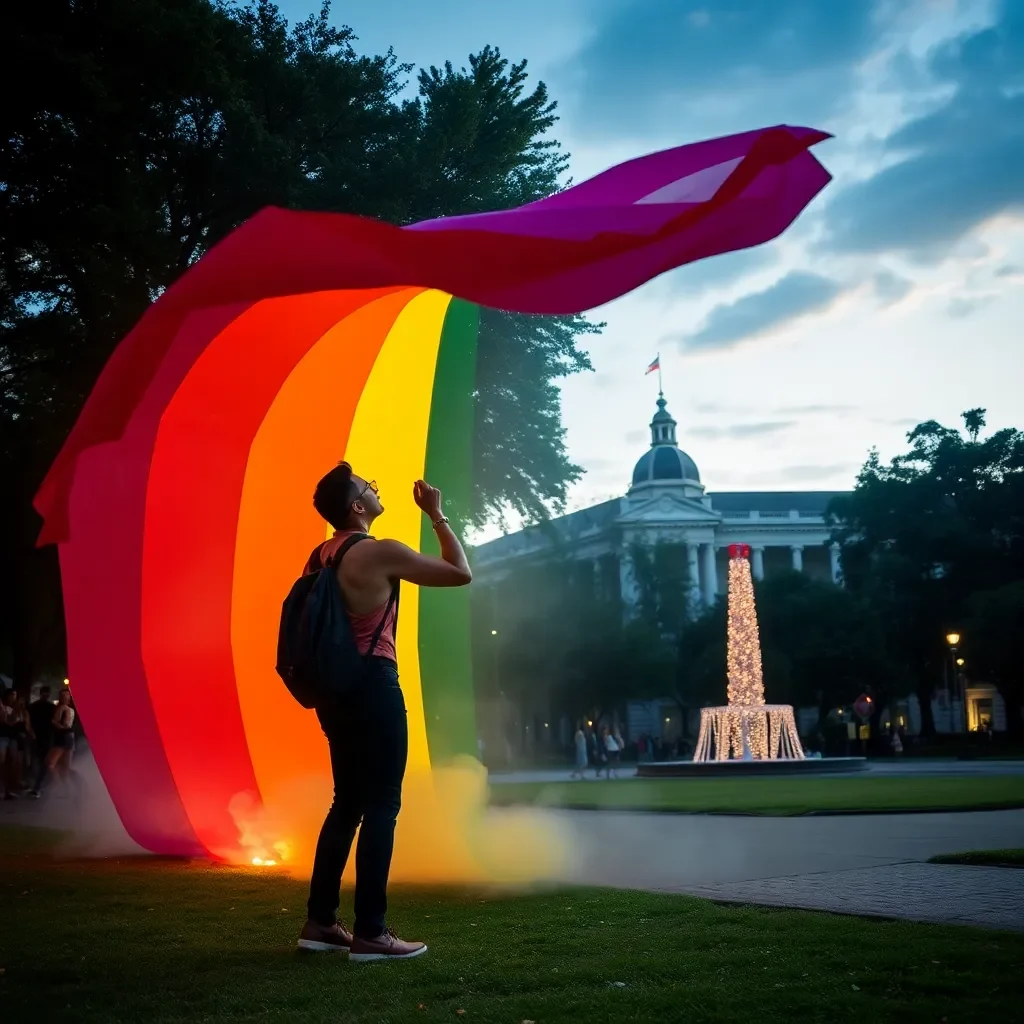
(363, 626)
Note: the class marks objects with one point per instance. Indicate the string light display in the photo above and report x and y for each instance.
(747, 729)
(746, 684)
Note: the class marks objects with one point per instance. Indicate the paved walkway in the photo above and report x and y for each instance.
(868, 865)
(863, 864)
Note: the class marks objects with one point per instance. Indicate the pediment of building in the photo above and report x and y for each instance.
(666, 507)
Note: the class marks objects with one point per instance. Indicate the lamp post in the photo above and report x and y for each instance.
(502, 724)
(953, 640)
(494, 638)
(494, 655)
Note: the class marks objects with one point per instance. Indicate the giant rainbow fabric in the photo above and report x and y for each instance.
(181, 502)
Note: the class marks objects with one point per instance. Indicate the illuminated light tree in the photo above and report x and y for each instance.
(746, 683)
(747, 729)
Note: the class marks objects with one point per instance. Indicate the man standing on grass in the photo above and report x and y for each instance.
(368, 734)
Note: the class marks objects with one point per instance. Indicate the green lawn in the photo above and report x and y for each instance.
(160, 941)
(777, 796)
(991, 858)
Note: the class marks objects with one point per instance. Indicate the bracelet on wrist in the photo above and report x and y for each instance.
(439, 521)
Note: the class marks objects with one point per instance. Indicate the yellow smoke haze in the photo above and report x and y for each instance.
(445, 832)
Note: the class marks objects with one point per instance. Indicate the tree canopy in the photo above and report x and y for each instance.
(935, 541)
(152, 129)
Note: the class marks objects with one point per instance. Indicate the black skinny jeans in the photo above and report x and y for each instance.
(368, 737)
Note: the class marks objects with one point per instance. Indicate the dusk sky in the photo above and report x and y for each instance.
(897, 297)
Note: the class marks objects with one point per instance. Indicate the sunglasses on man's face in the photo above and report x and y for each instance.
(370, 486)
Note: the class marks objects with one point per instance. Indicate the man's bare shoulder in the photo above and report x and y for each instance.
(379, 545)
(375, 551)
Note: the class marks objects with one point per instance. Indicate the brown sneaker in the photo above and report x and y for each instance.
(387, 946)
(322, 939)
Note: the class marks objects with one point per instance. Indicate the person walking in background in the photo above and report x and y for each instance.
(598, 755)
(62, 749)
(22, 742)
(40, 716)
(8, 746)
(612, 752)
(896, 742)
(580, 744)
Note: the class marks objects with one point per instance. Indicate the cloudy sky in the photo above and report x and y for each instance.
(899, 294)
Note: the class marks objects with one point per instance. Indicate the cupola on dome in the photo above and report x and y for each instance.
(665, 460)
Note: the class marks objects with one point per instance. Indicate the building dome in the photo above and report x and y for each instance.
(664, 463)
(665, 460)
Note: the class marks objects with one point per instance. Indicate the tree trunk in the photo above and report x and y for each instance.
(925, 689)
(824, 708)
(877, 741)
(684, 713)
(1012, 701)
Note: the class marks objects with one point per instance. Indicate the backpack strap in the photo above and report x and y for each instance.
(392, 603)
(316, 562)
(333, 563)
(351, 542)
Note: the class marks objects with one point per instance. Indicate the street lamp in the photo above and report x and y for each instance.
(494, 633)
(953, 639)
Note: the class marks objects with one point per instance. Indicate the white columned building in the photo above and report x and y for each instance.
(833, 563)
(757, 566)
(798, 557)
(667, 502)
(710, 574)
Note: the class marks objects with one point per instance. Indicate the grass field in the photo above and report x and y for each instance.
(773, 796)
(989, 858)
(162, 941)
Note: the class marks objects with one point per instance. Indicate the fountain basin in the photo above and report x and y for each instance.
(745, 769)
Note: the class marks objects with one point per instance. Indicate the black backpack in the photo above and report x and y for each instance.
(317, 655)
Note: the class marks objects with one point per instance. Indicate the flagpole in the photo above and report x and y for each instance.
(661, 393)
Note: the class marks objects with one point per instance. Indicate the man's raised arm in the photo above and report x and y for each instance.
(399, 561)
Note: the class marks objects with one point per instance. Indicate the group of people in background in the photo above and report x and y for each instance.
(600, 750)
(654, 748)
(37, 742)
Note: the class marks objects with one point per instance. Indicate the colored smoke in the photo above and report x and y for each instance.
(445, 831)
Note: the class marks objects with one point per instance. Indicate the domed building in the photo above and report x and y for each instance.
(667, 502)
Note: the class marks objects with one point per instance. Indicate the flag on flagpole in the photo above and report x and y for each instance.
(656, 365)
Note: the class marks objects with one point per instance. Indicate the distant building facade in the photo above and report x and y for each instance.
(667, 503)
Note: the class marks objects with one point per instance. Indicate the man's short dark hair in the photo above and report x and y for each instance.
(334, 496)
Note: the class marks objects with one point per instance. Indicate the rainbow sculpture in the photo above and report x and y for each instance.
(181, 502)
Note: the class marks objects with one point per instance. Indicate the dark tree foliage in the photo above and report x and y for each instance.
(563, 643)
(927, 536)
(151, 129)
(663, 586)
